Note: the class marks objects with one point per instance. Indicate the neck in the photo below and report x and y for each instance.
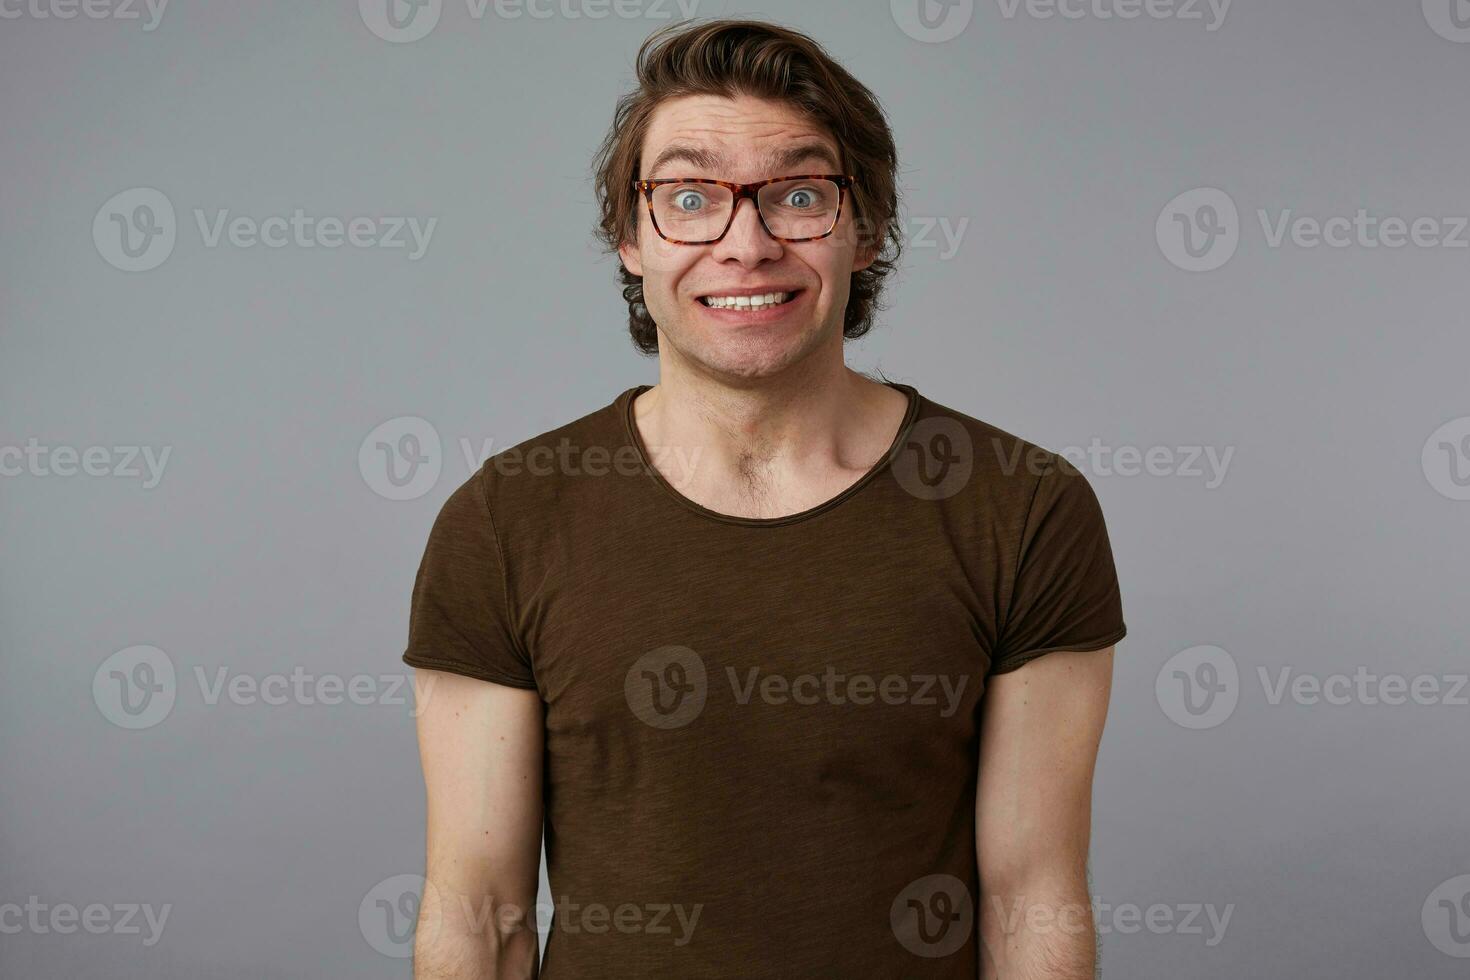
(768, 446)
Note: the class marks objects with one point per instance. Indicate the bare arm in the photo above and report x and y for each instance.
(480, 745)
(1040, 729)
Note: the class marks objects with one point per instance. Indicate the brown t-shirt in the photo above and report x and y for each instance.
(761, 734)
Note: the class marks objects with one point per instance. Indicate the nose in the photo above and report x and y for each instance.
(747, 241)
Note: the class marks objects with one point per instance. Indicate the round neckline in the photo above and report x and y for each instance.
(630, 426)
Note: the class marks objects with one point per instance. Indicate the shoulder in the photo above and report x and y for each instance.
(555, 469)
(998, 468)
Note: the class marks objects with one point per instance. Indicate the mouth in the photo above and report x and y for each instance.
(749, 304)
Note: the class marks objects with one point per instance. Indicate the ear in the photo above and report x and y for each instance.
(868, 247)
(632, 261)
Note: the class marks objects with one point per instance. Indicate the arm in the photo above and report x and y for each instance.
(1040, 728)
(480, 745)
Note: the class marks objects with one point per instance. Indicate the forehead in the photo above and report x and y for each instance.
(740, 138)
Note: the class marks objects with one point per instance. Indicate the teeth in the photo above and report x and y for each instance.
(745, 302)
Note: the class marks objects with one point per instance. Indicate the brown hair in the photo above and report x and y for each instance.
(750, 57)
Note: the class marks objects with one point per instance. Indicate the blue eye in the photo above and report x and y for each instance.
(794, 198)
(689, 200)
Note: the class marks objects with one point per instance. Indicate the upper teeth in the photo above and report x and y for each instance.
(753, 301)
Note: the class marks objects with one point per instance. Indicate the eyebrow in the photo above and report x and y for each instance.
(711, 161)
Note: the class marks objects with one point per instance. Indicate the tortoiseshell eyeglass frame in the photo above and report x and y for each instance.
(843, 182)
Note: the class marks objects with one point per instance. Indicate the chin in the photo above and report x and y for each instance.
(751, 356)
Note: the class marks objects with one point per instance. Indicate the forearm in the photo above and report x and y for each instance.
(1040, 930)
(465, 937)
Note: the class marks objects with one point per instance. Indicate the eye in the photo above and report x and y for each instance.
(689, 200)
(801, 198)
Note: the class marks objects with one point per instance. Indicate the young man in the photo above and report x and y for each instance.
(802, 674)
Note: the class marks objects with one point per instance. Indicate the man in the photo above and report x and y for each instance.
(802, 674)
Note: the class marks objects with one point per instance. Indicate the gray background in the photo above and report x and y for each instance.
(1326, 829)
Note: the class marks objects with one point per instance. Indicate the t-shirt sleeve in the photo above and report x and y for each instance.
(460, 619)
(1065, 593)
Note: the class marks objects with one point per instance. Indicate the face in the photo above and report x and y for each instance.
(744, 140)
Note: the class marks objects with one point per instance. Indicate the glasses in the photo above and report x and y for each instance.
(699, 210)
